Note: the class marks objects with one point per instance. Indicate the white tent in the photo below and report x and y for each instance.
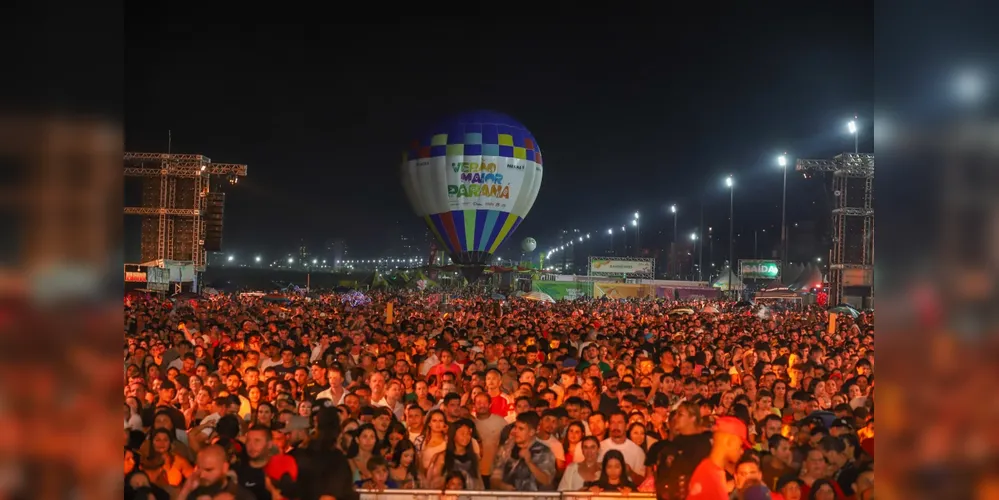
(728, 281)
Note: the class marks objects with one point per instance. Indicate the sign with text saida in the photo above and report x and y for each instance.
(759, 269)
(618, 267)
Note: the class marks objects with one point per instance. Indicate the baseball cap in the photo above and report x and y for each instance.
(570, 363)
(735, 427)
(319, 362)
(297, 423)
(841, 422)
(757, 492)
(280, 465)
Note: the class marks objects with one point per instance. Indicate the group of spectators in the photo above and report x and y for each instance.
(318, 399)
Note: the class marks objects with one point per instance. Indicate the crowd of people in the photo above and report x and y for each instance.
(320, 398)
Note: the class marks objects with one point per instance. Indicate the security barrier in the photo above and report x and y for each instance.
(496, 495)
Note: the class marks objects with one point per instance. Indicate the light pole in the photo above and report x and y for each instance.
(638, 232)
(693, 238)
(711, 246)
(756, 242)
(852, 127)
(700, 251)
(730, 183)
(674, 255)
(782, 161)
(610, 231)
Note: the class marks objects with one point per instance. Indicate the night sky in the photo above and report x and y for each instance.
(629, 116)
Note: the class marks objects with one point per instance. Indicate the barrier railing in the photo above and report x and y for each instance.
(497, 495)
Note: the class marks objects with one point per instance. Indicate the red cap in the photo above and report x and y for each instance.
(735, 427)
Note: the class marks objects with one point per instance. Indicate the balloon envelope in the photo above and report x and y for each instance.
(473, 178)
(528, 245)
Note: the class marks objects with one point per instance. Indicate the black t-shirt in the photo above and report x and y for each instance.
(313, 389)
(608, 404)
(280, 370)
(324, 472)
(253, 479)
(676, 462)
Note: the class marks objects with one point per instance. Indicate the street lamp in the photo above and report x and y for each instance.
(730, 184)
(852, 127)
(693, 238)
(782, 161)
(634, 224)
(672, 209)
(257, 259)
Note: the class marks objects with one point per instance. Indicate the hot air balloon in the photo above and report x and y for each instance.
(528, 245)
(473, 178)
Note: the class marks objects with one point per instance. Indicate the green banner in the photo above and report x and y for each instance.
(759, 269)
(566, 290)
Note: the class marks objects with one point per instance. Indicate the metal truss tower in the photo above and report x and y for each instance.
(851, 259)
(175, 201)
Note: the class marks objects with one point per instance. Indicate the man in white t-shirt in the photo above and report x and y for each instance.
(634, 456)
(546, 429)
(490, 427)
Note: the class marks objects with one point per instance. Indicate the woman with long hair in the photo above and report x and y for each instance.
(574, 434)
(433, 440)
(458, 455)
(396, 434)
(164, 467)
(404, 469)
(263, 415)
(780, 395)
(584, 471)
(364, 447)
(131, 461)
(637, 435)
(613, 475)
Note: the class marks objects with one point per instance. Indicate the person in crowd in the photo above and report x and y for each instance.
(586, 471)
(524, 463)
(730, 440)
(614, 476)
(403, 467)
(536, 379)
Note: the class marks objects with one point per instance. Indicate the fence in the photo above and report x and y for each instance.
(496, 495)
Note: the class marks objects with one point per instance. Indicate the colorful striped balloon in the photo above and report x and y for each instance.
(473, 179)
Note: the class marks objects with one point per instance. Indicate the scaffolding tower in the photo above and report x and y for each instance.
(851, 258)
(175, 197)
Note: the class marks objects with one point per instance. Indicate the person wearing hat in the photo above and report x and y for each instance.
(730, 442)
(318, 384)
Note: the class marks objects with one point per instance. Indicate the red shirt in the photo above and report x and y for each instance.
(500, 406)
(439, 370)
(707, 482)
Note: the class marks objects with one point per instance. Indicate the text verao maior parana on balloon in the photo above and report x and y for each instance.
(478, 180)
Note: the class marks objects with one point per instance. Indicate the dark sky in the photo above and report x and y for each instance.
(629, 116)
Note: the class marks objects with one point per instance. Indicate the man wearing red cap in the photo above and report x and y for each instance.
(729, 443)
